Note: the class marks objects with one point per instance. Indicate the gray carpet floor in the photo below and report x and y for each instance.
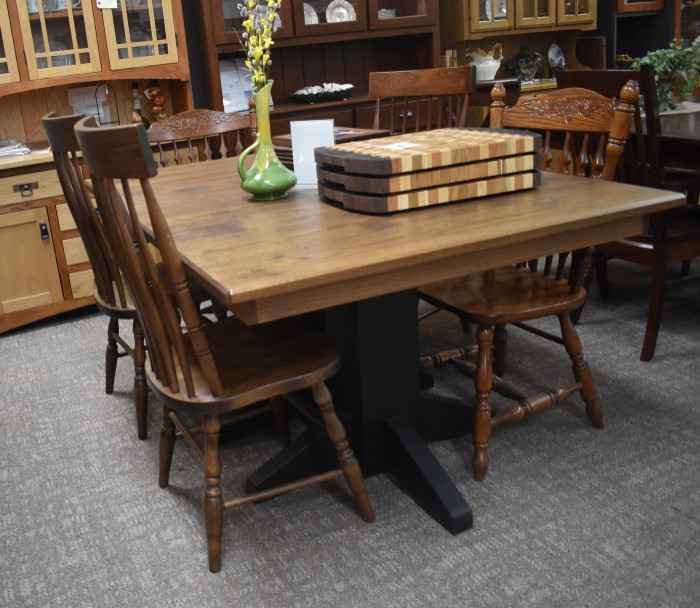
(567, 516)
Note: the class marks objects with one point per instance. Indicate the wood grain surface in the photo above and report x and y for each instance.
(271, 260)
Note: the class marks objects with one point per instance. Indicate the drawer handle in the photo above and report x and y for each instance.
(26, 189)
(44, 231)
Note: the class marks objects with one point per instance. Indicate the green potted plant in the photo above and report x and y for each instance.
(676, 72)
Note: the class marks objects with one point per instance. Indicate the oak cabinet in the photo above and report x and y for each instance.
(8, 62)
(61, 42)
(469, 19)
(44, 267)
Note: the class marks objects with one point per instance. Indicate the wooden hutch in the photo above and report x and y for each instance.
(53, 52)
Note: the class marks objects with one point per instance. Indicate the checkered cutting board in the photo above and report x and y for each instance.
(427, 168)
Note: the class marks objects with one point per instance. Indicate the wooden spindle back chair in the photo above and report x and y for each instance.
(673, 236)
(198, 135)
(516, 294)
(199, 368)
(422, 99)
(111, 295)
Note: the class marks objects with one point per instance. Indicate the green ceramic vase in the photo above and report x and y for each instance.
(267, 179)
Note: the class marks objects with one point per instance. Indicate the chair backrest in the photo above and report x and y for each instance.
(65, 148)
(181, 359)
(202, 135)
(591, 131)
(435, 98)
(592, 128)
(645, 166)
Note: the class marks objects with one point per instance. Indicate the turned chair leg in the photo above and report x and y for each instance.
(600, 263)
(483, 382)
(346, 457)
(112, 355)
(656, 302)
(167, 445)
(213, 501)
(140, 387)
(582, 373)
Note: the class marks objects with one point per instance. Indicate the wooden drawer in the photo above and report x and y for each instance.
(47, 184)
(74, 250)
(65, 218)
(82, 284)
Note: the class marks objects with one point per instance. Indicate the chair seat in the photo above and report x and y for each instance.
(254, 363)
(506, 295)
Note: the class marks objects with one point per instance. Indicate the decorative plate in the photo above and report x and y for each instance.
(318, 94)
(310, 15)
(339, 11)
(556, 57)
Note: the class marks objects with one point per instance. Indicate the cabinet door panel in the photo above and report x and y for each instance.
(60, 42)
(487, 15)
(535, 13)
(8, 62)
(28, 274)
(576, 11)
(140, 33)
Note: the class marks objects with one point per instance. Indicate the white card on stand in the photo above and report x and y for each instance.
(308, 135)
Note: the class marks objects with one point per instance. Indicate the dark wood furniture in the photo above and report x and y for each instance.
(652, 160)
(301, 255)
(207, 370)
(111, 294)
(420, 100)
(594, 133)
(199, 133)
(307, 54)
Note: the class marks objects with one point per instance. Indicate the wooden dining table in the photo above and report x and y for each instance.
(359, 273)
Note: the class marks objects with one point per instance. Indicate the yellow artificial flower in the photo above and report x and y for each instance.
(259, 25)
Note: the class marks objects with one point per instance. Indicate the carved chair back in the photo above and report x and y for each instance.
(123, 155)
(645, 166)
(591, 130)
(422, 99)
(65, 148)
(200, 134)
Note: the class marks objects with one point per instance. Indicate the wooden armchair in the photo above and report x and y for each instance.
(210, 371)
(111, 295)
(419, 100)
(673, 236)
(199, 134)
(594, 135)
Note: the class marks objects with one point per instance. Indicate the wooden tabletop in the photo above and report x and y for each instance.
(269, 260)
(342, 134)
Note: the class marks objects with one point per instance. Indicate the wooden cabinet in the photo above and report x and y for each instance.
(321, 41)
(8, 62)
(54, 53)
(637, 6)
(69, 41)
(58, 41)
(468, 19)
(44, 268)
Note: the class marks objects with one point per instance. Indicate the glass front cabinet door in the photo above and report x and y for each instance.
(576, 11)
(487, 15)
(535, 13)
(638, 6)
(59, 37)
(140, 33)
(8, 63)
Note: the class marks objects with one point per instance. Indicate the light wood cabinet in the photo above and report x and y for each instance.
(473, 19)
(58, 42)
(63, 42)
(8, 62)
(44, 267)
(29, 274)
